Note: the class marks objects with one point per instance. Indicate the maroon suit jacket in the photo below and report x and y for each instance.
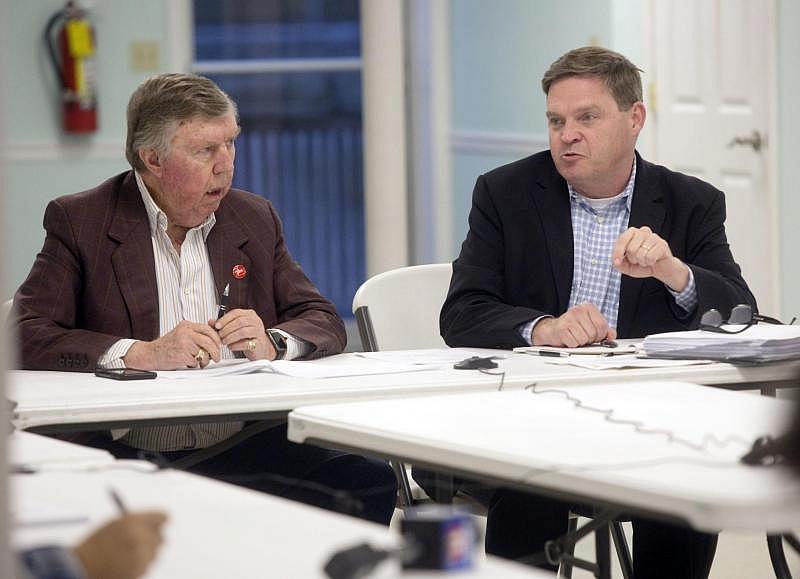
(94, 281)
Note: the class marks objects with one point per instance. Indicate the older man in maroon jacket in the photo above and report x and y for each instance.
(131, 273)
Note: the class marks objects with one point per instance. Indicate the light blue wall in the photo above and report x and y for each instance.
(499, 51)
(43, 163)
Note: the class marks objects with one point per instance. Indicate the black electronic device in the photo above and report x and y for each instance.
(475, 363)
(355, 562)
(767, 451)
(278, 342)
(125, 373)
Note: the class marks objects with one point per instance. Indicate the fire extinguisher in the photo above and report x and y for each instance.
(70, 41)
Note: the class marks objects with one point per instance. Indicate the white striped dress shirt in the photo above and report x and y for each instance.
(185, 292)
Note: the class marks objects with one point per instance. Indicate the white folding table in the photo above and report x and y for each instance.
(59, 401)
(214, 529)
(666, 450)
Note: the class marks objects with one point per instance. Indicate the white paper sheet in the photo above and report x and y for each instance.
(361, 367)
(29, 513)
(221, 368)
(331, 367)
(440, 356)
(617, 362)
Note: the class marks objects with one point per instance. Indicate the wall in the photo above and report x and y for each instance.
(41, 162)
(499, 51)
(788, 152)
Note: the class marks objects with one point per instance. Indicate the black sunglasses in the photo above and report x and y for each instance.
(741, 315)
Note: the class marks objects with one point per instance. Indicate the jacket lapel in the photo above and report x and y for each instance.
(133, 262)
(225, 242)
(647, 209)
(552, 202)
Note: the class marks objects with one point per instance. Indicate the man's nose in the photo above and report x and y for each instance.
(224, 161)
(569, 133)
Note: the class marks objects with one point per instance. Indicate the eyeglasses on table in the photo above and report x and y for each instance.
(741, 315)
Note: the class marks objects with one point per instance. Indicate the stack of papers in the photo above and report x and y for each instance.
(758, 343)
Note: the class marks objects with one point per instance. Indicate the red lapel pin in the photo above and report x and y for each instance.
(239, 271)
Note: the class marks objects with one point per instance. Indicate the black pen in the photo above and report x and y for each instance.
(117, 501)
(552, 353)
(223, 301)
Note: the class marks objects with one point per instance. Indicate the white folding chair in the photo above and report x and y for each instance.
(399, 310)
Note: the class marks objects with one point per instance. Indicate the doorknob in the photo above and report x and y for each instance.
(754, 140)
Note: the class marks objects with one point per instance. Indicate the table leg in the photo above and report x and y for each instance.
(403, 483)
(443, 488)
(777, 556)
(623, 551)
(602, 552)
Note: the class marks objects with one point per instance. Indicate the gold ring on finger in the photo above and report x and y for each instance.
(201, 355)
(251, 344)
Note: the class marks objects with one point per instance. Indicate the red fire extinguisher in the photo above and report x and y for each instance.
(72, 52)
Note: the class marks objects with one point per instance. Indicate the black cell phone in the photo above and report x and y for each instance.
(124, 373)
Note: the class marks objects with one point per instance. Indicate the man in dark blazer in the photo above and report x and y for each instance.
(583, 243)
(131, 275)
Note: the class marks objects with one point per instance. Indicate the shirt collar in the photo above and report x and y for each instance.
(626, 193)
(158, 219)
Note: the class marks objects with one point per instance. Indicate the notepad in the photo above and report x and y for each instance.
(592, 350)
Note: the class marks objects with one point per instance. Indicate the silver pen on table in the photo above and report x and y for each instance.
(118, 501)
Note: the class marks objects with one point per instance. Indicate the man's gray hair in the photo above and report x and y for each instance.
(161, 103)
(620, 75)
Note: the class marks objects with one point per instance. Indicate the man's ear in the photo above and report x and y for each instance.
(638, 116)
(151, 161)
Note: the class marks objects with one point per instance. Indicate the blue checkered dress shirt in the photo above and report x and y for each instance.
(596, 225)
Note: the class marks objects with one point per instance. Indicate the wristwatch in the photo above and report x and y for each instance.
(278, 342)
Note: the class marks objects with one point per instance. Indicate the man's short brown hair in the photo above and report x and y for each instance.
(162, 103)
(620, 75)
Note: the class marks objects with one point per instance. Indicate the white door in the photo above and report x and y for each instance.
(713, 82)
